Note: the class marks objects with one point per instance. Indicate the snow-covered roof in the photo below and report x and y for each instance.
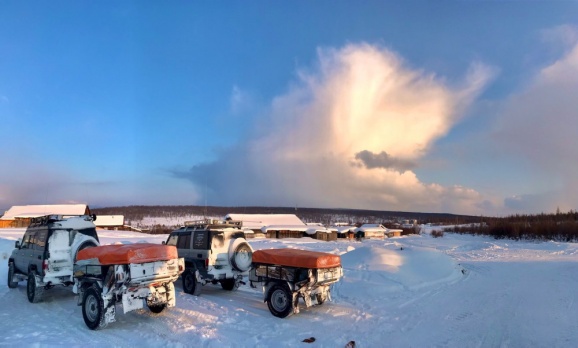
(371, 228)
(257, 221)
(343, 229)
(109, 220)
(298, 228)
(30, 211)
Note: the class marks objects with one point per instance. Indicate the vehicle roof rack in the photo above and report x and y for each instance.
(46, 219)
(214, 223)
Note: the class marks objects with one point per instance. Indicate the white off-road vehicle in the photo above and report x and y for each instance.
(45, 256)
(215, 251)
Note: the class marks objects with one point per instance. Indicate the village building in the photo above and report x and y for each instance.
(281, 226)
(376, 231)
(111, 222)
(343, 230)
(20, 215)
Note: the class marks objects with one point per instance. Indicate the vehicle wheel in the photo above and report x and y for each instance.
(93, 309)
(33, 291)
(280, 300)
(11, 284)
(229, 284)
(241, 255)
(157, 308)
(190, 283)
(320, 298)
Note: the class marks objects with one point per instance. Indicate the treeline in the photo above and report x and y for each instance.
(559, 227)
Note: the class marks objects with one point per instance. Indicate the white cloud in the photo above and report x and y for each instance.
(361, 99)
(540, 125)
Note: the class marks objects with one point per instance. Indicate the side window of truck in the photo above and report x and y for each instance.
(27, 240)
(40, 240)
(184, 241)
(201, 240)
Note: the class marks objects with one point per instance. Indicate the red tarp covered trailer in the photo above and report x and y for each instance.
(129, 253)
(296, 258)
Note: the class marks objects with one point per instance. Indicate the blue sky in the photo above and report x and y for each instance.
(460, 107)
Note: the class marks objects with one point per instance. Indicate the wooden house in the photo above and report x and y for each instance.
(110, 222)
(281, 226)
(19, 215)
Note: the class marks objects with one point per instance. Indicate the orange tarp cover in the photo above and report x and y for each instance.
(296, 258)
(129, 253)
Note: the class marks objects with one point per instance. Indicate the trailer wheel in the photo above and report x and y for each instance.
(190, 282)
(93, 309)
(280, 300)
(156, 308)
(33, 291)
(11, 284)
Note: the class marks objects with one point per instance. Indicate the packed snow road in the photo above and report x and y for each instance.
(455, 291)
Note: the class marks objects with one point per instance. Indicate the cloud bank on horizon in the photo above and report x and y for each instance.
(539, 126)
(347, 134)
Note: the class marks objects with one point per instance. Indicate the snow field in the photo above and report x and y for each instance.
(416, 291)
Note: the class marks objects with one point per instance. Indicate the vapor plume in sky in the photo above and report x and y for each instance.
(348, 133)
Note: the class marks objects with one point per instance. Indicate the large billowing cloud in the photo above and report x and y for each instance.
(540, 126)
(348, 134)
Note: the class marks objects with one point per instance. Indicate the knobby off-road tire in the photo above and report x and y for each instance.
(241, 255)
(280, 300)
(190, 283)
(11, 284)
(93, 309)
(33, 291)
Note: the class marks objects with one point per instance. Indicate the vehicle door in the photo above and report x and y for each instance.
(201, 249)
(37, 248)
(184, 245)
(23, 255)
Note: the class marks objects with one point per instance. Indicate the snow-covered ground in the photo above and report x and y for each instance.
(417, 291)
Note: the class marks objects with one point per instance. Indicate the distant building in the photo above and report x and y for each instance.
(20, 215)
(281, 226)
(110, 222)
(343, 230)
(408, 223)
(372, 231)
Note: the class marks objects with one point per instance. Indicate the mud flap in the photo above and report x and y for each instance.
(170, 291)
(164, 294)
(134, 300)
(295, 302)
(110, 313)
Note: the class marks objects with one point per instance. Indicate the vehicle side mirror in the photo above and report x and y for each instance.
(17, 244)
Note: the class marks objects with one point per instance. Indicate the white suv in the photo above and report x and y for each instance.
(214, 251)
(46, 254)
